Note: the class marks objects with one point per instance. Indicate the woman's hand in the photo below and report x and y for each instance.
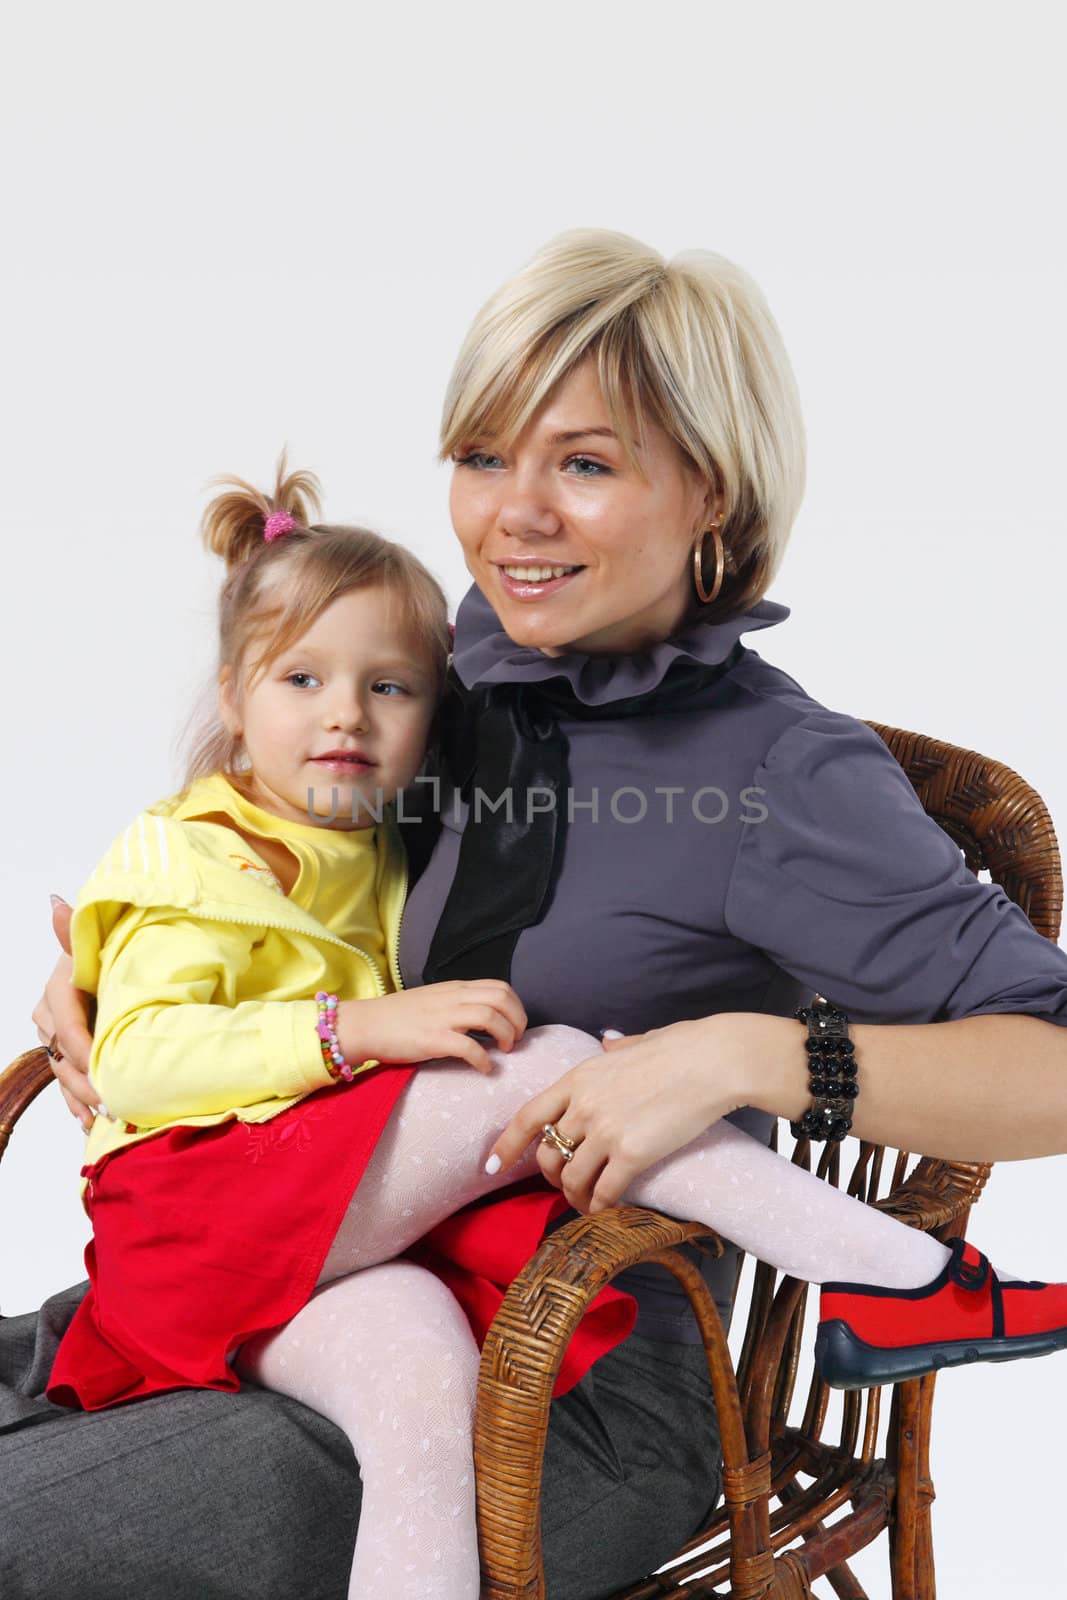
(66, 1013)
(647, 1096)
(434, 1021)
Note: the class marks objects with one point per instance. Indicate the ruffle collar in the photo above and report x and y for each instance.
(483, 653)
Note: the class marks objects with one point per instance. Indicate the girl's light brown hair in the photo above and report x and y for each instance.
(275, 591)
(687, 344)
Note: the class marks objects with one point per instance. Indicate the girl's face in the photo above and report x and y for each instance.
(564, 496)
(344, 713)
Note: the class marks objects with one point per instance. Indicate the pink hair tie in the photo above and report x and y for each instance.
(278, 523)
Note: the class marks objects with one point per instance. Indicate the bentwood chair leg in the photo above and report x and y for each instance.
(925, 1581)
(910, 1531)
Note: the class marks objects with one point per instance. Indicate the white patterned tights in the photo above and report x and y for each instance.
(383, 1349)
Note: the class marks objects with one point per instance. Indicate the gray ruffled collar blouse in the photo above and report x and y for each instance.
(737, 855)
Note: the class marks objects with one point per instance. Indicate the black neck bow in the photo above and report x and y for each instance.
(504, 740)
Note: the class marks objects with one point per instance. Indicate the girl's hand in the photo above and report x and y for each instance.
(647, 1096)
(66, 1012)
(436, 1020)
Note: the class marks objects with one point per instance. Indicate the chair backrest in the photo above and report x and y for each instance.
(1003, 827)
(1000, 823)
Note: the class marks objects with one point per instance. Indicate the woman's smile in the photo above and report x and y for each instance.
(531, 581)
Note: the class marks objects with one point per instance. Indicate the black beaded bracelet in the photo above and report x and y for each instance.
(832, 1064)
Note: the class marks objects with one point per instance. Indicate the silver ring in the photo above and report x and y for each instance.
(50, 1049)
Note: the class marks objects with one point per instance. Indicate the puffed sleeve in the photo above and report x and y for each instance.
(848, 885)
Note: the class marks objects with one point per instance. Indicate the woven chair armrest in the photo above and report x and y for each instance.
(522, 1354)
(549, 1297)
(20, 1084)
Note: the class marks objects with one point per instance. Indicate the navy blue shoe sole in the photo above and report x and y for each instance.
(848, 1362)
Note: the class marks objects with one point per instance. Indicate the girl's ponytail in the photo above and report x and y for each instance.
(233, 523)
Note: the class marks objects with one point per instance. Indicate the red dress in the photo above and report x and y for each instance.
(204, 1236)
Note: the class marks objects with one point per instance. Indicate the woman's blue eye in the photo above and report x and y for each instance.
(291, 675)
(478, 459)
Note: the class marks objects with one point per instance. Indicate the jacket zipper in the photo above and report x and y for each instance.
(394, 955)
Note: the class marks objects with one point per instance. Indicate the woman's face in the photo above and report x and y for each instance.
(565, 497)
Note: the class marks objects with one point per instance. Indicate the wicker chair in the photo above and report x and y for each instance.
(748, 1550)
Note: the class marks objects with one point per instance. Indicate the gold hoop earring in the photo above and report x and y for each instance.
(704, 595)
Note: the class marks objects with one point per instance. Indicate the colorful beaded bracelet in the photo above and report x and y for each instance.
(832, 1064)
(332, 1055)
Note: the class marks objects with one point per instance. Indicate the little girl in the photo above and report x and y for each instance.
(285, 1122)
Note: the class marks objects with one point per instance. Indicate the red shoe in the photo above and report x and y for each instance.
(869, 1336)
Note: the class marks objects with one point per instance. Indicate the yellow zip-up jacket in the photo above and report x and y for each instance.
(205, 971)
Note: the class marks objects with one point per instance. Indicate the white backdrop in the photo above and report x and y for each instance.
(231, 225)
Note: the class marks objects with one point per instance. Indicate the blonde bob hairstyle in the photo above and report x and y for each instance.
(275, 591)
(687, 344)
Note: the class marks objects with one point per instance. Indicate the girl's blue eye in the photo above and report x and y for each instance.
(586, 461)
(382, 684)
(474, 458)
